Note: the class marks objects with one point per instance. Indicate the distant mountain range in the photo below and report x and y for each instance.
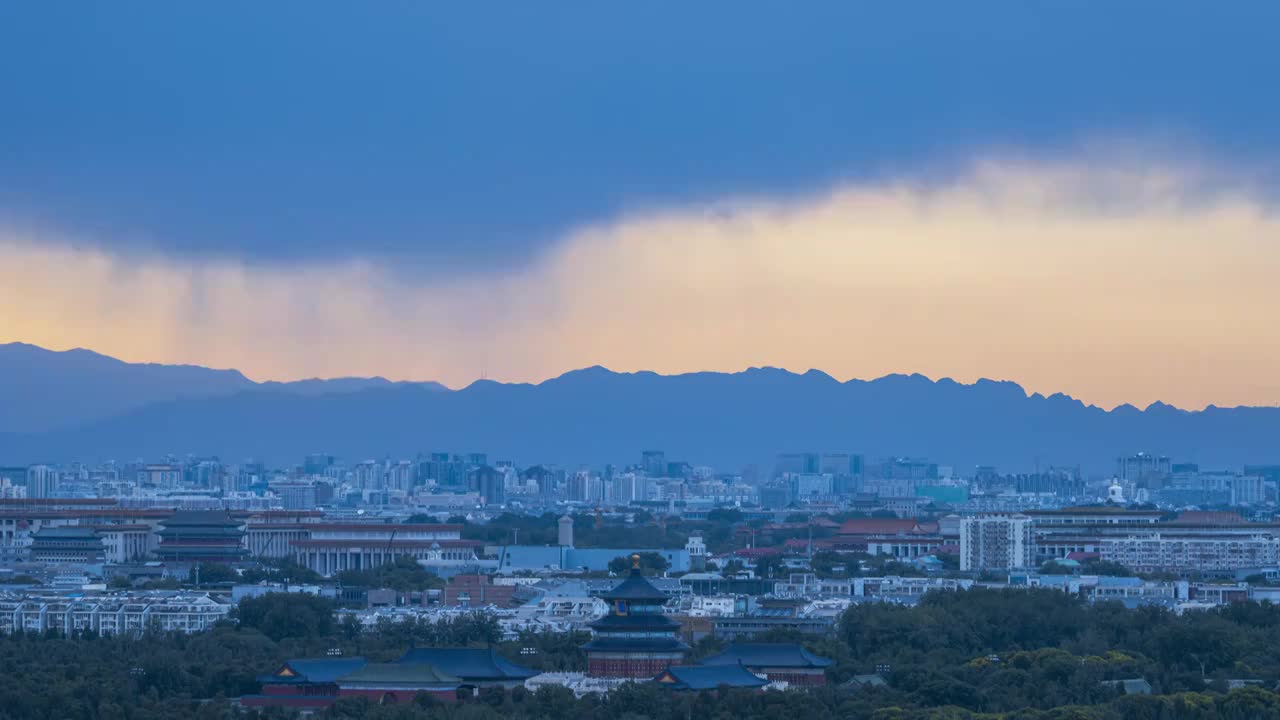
(42, 390)
(81, 405)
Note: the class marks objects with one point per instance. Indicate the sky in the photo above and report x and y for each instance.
(1080, 197)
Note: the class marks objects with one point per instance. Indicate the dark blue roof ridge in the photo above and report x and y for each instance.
(605, 643)
(635, 587)
(768, 655)
(638, 618)
(468, 663)
(316, 670)
(709, 677)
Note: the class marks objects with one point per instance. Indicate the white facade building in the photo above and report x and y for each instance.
(110, 614)
(996, 542)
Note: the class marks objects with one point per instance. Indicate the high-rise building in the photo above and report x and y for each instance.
(402, 475)
(837, 464)
(654, 463)
(996, 542)
(544, 478)
(776, 495)
(584, 487)
(1143, 468)
(296, 495)
(369, 476)
(162, 476)
(626, 488)
(1247, 490)
(489, 483)
(797, 464)
(807, 487)
(206, 473)
(907, 469)
(449, 470)
(317, 464)
(42, 481)
(678, 469)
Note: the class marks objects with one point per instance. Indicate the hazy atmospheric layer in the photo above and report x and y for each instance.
(1110, 280)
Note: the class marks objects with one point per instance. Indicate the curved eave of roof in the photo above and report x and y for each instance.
(635, 622)
(469, 663)
(663, 645)
(703, 677)
(635, 587)
(766, 655)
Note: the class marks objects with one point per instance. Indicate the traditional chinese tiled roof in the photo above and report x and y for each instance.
(314, 671)
(636, 588)
(773, 655)
(708, 677)
(632, 623)
(398, 675)
(886, 526)
(469, 663)
(612, 644)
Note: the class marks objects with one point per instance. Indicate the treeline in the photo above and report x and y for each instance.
(647, 702)
(1031, 654)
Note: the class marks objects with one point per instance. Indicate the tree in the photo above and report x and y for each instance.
(285, 570)
(829, 564)
(1053, 567)
(403, 574)
(287, 615)
(726, 516)
(163, 583)
(211, 574)
(19, 579)
(651, 563)
(770, 567)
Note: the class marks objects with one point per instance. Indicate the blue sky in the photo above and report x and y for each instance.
(477, 133)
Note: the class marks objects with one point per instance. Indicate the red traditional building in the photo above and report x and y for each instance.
(308, 685)
(194, 536)
(900, 538)
(636, 639)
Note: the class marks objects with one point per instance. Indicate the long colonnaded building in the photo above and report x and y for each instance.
(330, 548)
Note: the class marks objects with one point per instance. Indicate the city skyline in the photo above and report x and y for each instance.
(639, 361)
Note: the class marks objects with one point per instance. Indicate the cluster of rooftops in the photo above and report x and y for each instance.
(452, 669)
(635, 641)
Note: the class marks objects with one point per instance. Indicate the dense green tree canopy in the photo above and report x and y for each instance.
(651, 563)
(403, 574)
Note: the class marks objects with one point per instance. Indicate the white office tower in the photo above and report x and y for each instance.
(996, 542)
